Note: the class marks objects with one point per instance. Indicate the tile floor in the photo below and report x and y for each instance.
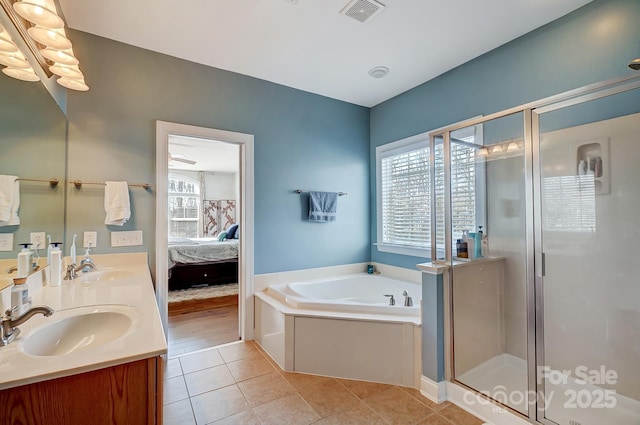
(239, 384)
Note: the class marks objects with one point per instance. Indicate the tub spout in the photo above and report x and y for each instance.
(408, 301)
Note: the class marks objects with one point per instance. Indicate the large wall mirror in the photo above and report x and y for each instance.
(33, 147)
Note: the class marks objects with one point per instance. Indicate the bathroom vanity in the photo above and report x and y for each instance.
(97, 359)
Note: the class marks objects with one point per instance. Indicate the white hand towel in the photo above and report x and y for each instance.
(9, 200)
(116, 203)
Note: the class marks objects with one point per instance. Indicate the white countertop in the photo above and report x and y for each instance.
(132, 291)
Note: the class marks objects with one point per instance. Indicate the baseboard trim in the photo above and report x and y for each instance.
(434, 391)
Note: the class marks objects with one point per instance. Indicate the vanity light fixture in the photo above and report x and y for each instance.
(635, 64)
(496, 149)
(21, 74)
(40, 12)
(512, 147)
(42, 29)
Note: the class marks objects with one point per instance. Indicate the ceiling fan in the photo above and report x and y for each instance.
(181, 158)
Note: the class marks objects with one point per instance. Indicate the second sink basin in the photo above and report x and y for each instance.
(103, 275)
(80, 329)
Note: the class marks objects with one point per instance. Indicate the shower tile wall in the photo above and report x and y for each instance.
(506, 209)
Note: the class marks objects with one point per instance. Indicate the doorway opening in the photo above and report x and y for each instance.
(204, 234)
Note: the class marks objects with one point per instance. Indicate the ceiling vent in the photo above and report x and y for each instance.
(362, 10)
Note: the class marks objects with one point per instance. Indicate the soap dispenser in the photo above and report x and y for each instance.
(20, 296)
(86, 260)
(25, 259)
(55, 266)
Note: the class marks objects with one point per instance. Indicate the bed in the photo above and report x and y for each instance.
(202, 262)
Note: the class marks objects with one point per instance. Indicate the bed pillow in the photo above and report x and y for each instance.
(237, 235)
(222, 236)
(231, 231)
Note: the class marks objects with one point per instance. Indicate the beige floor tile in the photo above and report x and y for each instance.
(243, 418)
(172, 369)
(178, 413)
(202, 360)
(363, 389)
(358, 414)
(302, 380)
(265, 388)
(249, 368)
(328, 398)
(422, 399)
(459, 416)
(435, 419)
(290, 410)
(218, 404)
(241, 350)
(208, 380)
(397, 407)
(174, 389)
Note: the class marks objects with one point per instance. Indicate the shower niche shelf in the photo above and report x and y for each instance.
(593, 160)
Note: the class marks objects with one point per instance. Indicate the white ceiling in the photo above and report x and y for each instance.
(210, 155)
(310, 45)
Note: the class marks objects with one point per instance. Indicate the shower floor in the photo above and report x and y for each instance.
(504, 378)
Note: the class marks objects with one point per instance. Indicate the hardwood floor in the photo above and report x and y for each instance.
(211, 324)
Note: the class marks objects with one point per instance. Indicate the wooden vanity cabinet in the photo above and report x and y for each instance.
(127, 394)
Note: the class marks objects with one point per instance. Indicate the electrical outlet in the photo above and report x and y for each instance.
(127, 238)
(38, 240)
(90, 239)
(6, 241)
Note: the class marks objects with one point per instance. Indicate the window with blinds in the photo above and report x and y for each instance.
(405, 188)
(405, 194)
(184, 206)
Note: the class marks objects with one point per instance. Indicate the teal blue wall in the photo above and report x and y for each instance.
(302, 141)
(592, 44)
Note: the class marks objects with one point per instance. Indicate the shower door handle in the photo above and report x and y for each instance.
(540, 264)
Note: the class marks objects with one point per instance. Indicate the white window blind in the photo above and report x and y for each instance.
(405, 189)
(463, 188)
(184, 206)
(405, 192)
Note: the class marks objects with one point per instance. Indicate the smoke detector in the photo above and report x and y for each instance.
(362, 10)
(378, 71)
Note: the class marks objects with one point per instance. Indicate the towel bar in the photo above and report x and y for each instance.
(78, 184)
(299, 191)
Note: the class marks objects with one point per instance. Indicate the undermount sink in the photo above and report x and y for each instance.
(81, 329)
(103, 275)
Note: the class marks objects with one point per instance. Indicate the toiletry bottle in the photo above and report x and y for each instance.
(72, 250)
(461, 249)
(19, 296)
(55, 266)
(582, 168)
(87, 260)
(477, 244)
(471, 245)
(25, 260)
(49, 247)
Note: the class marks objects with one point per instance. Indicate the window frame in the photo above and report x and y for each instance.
(198, 196)
(418, 141)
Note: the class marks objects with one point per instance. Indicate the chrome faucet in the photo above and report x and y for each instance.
(408, 301)
(392, 301)
(72, 270)
(9, 329)
(12, 269)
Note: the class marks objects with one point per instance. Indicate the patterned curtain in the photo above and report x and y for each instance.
(218, 215)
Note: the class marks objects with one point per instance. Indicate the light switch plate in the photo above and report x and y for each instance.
(6, 241)
(90, 239)
(126, 238)
(38, 240)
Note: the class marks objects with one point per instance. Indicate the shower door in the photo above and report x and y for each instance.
(490, 182)
(587, 260)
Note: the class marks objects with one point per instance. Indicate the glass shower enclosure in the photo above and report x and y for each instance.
(540, 230)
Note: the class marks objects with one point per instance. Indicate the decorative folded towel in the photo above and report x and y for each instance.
(116, 203)
(9, 200)
(322, 206)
